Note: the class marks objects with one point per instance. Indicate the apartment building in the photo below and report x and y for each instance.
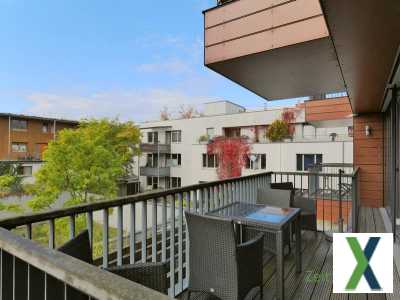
(174, 152)
(283, 49)
(24, 138)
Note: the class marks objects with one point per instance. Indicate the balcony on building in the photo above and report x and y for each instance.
(155, 148)
(277, 49)
(155, 171)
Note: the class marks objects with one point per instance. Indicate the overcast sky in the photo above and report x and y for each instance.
(127, 59)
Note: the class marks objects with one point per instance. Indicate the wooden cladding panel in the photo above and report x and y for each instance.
(328, 109)
(368, 155)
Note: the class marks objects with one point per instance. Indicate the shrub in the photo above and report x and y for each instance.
(277, 131)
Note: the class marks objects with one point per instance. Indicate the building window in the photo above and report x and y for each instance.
(24, 170)
(132, 188)
(19, 147)
(176, 136)
(350, 131)
(45, 127)
(232, 132)
(256, 161)
(173, 182)
(152, 160)
(210, 161)
(305, 161)
(152, 137)
(210, 132)
(174, 159)
(19, 125)
(152, 181)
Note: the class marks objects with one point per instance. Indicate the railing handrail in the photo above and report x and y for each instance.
(82, 276)
(31, 218)
(310, 173)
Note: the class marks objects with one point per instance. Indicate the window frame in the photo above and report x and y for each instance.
(316, 160)
(19, 145)
(18, 128)
(210, 159)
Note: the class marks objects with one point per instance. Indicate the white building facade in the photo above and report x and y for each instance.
(174, 152)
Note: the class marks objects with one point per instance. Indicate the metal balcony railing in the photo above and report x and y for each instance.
(334, 194)
(155, 148)
(148, 227)
(155, 171)
(140, 228)
(30, 271)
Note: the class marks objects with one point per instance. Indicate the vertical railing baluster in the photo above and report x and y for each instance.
(89, 220)
(226, 194)
(206, 197)
(144, 231)
(211, 198)
(29, 231)
(132, 234)
(120, 234)
(186, 240)
(164, 230)
(193, 196)
(13, 276)
(180, 242)
(51, 234)
(71, 226)
(217, 196)
(105, 238)
(154, 233)
(242, 191)
(172, 248)
(1, 273)
(201, 192)
(28, 284)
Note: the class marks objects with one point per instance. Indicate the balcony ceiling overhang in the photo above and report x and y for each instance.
(366, 36)
(303, 69)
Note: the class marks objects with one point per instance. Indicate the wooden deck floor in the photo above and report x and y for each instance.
(315, 282)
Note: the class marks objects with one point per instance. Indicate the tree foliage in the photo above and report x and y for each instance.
(231, 154)
(10, 181)
(86, 162)
(278, 130)
(289, 117)
(164, 114)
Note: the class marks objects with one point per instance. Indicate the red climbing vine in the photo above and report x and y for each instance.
(289, 117)
(231, 153)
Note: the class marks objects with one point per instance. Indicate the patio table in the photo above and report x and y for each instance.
(270, 219)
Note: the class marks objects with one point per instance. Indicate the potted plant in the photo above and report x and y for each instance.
(277, 131)
(203, 139)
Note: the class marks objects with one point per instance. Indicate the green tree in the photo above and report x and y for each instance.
(86, 162)
(10, 181)
(278, 130)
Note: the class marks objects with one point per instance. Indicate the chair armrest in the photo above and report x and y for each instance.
(250, 264)
(151, 275)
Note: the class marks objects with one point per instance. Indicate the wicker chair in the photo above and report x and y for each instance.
(308, 212)
(218, 266)
(151, 275)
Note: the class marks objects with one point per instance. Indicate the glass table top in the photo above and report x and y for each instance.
(257, 213)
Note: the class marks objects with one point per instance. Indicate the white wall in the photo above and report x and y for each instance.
(280, 156)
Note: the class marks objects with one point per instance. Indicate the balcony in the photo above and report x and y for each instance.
(154, 230)
(277, 49)
(155, 172)
(331, 112)
(155, 148)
